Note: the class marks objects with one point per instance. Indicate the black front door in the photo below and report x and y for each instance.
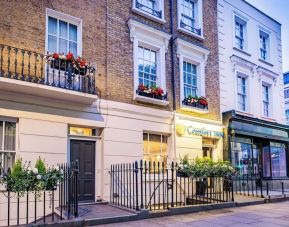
(84, 152)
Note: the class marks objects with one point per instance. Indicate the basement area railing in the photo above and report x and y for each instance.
(156, 186)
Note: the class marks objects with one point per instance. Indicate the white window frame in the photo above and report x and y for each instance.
(270, 99)
(160, 7)
(4, 119)
(146, 36)
(287, 110)
(198, 19)
(245, 36)
(195, 55)
(247, 101)
(260, 30)
(67, 18)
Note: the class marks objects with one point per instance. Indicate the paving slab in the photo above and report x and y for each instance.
(262, 215)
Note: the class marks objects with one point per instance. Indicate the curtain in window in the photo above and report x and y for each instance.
(9, 137)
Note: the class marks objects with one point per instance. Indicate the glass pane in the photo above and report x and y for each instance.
(52, 26)
(266, 162)
(63, 46)
(73, 48)
(52, 44)
(10, 136)
(1, 134)
(278, 162)
(147, 54)
(63, 29)
(242, 157)
(7, 160)
(72, 32)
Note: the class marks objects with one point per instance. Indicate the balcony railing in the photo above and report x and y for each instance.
(149, 10)
(190, 28)
(33, 67)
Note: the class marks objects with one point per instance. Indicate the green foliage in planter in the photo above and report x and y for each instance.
(23, 178)
(205, 167)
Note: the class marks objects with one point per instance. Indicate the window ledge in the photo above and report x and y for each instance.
(151, 100)
(242, 51)
(194, 109)
(149, 16)
(199, 37)
(266, 62)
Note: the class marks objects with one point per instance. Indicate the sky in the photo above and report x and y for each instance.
(279, 10)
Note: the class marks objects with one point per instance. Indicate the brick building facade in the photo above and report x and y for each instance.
(114, 123)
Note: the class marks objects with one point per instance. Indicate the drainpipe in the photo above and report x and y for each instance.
(173, 76)
(172, 53)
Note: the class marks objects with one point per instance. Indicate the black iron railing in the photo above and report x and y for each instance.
(156, 186)
(256, 185)
(30, 66)
(157, 13)
(190, 28)
(42, 207)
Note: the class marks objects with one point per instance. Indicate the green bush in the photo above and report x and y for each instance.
(23, 178)
(204, 167)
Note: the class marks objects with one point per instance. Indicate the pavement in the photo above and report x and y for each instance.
(263, 215)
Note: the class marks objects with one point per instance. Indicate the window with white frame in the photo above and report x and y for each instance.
(190, 15)
(155, 148)
(7, 143)
(190, 79)
(152, 8)
(63, 33)
(264, 45)
(147, 66)
(149, 50)
(240, 33)
(242, 93)
(266, 100)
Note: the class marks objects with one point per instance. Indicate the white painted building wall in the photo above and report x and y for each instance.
(257, 71)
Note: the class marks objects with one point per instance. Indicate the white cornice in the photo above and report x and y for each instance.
(237, 61)
(185, 48)
(143, 31)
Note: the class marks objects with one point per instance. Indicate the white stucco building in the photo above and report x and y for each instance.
(251, 88)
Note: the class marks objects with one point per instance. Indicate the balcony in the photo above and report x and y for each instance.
(190, 29)
(28, 72)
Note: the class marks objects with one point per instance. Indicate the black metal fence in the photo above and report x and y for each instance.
(47, 206)
(30, 66)
(256, 185)
(156, 186)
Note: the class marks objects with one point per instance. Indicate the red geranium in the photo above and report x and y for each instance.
(55, 56)
(203, 101)
(69, 56)
(142, 87)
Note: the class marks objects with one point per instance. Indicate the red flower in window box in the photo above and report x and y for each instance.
(203, 101)
(55, 56)
(142, 87)
(69, 56)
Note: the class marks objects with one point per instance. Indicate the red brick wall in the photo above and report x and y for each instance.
(22, 24)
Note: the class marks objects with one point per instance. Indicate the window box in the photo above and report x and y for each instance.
(149, 95)
(200, 103)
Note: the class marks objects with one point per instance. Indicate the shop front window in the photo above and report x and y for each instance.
(278, 162)
(274, 160)
(242, 156)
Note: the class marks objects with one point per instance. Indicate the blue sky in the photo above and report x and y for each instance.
(279, 10)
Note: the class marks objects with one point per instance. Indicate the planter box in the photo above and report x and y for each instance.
(195, 105)
(159, 97)
(64, 66)
(201, 187)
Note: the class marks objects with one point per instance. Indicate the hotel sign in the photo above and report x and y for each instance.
(189, 130)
